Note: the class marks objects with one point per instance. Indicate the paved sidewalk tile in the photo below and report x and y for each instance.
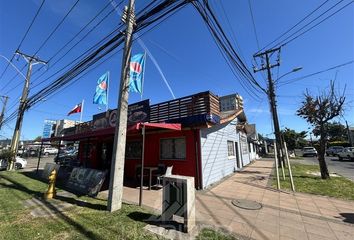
(284, 215)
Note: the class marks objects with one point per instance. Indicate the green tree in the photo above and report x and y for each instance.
(335, 132)
(318, 111)
(294, 139)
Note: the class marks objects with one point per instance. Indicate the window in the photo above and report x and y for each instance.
(173, 148)
(230, 149)
(133, 150)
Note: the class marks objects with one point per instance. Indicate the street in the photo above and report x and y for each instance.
(33, 161)
(344, 168)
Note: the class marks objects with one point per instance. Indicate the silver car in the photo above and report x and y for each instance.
(309, 151)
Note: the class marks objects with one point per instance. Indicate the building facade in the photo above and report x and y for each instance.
(208, 145)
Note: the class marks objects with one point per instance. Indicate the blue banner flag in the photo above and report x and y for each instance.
(136, 73)
(100, 96)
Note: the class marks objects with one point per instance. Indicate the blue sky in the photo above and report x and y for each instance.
(186, 54)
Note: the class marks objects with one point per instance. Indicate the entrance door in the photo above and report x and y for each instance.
(237, 156)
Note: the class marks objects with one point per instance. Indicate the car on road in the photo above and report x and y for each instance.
(67, 158)
(19, 163)
(49, 151)
(309, 151)
(332, 151)
(347, 152)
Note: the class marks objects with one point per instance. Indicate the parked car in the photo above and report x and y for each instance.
(19, 163)
(309, 151)
(49, 151)
(67, 159)
(347, 152)
(332, 151)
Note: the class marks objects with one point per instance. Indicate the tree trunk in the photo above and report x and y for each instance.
(321, 154)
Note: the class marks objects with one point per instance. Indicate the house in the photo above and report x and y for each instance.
(207, 145)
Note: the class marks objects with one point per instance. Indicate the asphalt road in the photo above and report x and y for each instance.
(344, 168)
(33, 161)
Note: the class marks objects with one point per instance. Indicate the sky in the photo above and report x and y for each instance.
(182, 53)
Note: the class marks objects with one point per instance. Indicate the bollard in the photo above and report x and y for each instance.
(51, 187)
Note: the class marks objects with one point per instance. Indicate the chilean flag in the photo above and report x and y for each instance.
(76, 109)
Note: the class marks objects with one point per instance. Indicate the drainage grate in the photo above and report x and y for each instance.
(246, 204)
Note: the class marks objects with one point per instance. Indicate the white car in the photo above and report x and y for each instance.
(347, 152)
(19, 163)
(49, 150)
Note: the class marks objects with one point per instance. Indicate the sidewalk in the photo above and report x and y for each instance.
(284, 215)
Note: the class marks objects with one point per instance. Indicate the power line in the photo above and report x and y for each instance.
(142, 22)
(254, 23)
(51, 34)
(234, 61)
(72, 47)
(312, 74)
(23, 38)
(57, 26)
(233, 35)
(298, 23)
(70, 41)
(292, 39)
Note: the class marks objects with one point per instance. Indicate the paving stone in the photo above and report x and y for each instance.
(292, 232)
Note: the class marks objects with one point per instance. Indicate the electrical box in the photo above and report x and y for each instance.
(179, 200)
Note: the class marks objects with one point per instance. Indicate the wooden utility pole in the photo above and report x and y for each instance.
(118, 157)
(31, 60)
(271, 95)
(3, 110)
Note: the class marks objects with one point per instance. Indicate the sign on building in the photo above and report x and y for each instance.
(137, 112)
(48, 128)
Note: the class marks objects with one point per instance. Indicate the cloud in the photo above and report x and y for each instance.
(258, 110)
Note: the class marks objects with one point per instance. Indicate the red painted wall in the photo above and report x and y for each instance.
(152, 154)
(185, 167)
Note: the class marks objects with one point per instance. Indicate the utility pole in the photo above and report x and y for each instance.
(3, 110)
(271, 95)
(31, 60)
(115, 193)
(349, 135)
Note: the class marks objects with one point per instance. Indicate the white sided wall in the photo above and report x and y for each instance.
(214, 154)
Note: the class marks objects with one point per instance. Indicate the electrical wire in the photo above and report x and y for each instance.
(254, 23)
(70, 41)
(294, 26)
(299, 35)
(24, 37)
(50, 35)
(312, 74)
(227, 50)
(57, 26)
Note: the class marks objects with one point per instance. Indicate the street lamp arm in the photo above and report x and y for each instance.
(294, 70)
(13, 66)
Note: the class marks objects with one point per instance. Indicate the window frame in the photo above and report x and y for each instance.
(141, 149)
(174, 150)
(233, 149)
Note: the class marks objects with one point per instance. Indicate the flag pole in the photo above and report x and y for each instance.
(107, 92)
(82, 110)
(142, 83)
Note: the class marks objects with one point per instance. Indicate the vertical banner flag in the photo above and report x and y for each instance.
(100, 96)
(136, 73)
(76, 109)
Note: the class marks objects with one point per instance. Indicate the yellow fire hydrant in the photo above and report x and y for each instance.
(51, 187)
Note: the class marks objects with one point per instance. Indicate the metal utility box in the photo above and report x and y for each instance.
(179, 200)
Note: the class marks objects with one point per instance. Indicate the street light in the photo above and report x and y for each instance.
(294, 70)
